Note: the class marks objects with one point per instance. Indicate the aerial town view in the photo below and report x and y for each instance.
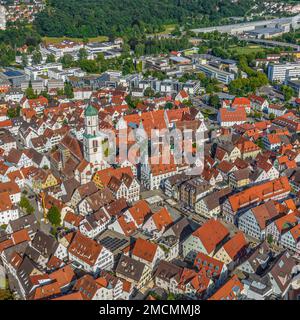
(149, 150)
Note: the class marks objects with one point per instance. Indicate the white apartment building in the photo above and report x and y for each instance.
(283, 71)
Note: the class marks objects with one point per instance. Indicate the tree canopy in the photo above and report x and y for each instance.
(90, 18)
(54, 216)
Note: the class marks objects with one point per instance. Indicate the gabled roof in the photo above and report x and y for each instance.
(235, 245)
(259, 193)
(211, 233)
(229, 291)
(162, 218)
(232, 115)
(85, 249)
(130, 268)
(144, 249)
(265, 213)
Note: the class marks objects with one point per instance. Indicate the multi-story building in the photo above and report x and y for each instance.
(272, 190)
(283, 71)
(212, 72)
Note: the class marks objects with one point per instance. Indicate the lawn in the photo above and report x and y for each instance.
(48, 40)
(247, 49)
(168, 29)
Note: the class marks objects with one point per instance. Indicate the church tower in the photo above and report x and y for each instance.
(92, 137)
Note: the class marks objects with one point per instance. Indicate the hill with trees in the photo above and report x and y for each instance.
(90, 18)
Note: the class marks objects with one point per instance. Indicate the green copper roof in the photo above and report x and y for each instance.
(90, 111)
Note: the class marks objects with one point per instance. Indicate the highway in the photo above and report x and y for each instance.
(271, 43)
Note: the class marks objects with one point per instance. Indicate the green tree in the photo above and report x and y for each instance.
(24, 202)
(139, 49)
(139, 67)
(214, 101)
(149, 92)
(288, 92)
(50, 58)
(7, 55)
(30, 209)
(126, 48)
(85, 40)
(168, 105)
(24, 60)
(36, 57)
(29, 92)
(90, 66)
(13, 112)
(68, 90)
(82, 54)
(271, 116)
(5, 294)
(128, 67)
(54, 216)
(66, 60)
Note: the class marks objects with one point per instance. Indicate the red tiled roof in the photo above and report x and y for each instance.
(211, 233)
(259, 193)
(229, 291)
(144, 249)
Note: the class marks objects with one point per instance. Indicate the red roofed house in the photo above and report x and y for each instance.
(280, 226)
(272, 141)
(90, 255)
(259, 103)
(232, 250)
(147, 252)
(182, 96)
(228, 117)
(275, 189)
(291, 239)
(242, 102)
(207, 239)
(93, 289)
(120, 181)
(132, 219)
(254, 221)
(37, 104)
(214, 268)
(158, 222)
(230, 291)
(8, 211)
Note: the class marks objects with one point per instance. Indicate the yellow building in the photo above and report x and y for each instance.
(44, 179)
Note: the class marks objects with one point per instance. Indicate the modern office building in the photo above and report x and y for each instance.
(283, 71)
(212, 72)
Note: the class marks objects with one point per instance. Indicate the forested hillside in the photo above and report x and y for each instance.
(88, 18)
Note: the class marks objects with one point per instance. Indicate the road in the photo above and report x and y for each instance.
(271, 43)
(272, 93)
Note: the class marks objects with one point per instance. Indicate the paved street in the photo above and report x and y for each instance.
(31, 196)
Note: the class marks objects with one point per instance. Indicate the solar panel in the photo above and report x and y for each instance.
(112, 243)
(12, 73)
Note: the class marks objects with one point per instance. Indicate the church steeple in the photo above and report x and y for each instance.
(93, 139)
(91, 121)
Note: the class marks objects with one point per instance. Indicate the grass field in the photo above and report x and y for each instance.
(247, 49)
(59, 39)
(168, 29)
